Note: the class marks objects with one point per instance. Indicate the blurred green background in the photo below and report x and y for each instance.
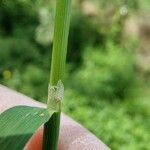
(108, 63)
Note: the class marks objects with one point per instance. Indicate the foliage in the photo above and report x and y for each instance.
(18, 124)
(29, 81)
(18, 49)
(120, 124)
(107, 74)
(16, 14)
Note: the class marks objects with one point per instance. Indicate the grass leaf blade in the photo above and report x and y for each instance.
(18, 124)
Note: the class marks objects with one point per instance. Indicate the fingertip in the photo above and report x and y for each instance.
(35, 143)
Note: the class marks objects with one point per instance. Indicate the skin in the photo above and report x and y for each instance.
(72, 135)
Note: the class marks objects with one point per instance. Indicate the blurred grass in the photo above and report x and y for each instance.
(145, 5)
(120, 124)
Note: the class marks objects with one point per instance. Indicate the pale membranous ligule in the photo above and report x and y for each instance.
(55, 96)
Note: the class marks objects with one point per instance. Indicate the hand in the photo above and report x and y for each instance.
(72, 135)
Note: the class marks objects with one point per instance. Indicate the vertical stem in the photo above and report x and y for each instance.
(61, 31)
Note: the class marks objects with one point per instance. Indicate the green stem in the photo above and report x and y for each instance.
(61, 31)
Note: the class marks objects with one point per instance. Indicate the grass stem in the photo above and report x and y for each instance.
(61, 31)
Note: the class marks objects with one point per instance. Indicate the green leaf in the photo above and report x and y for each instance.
(18, 124)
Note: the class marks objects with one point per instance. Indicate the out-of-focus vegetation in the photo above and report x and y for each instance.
(108, 71)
